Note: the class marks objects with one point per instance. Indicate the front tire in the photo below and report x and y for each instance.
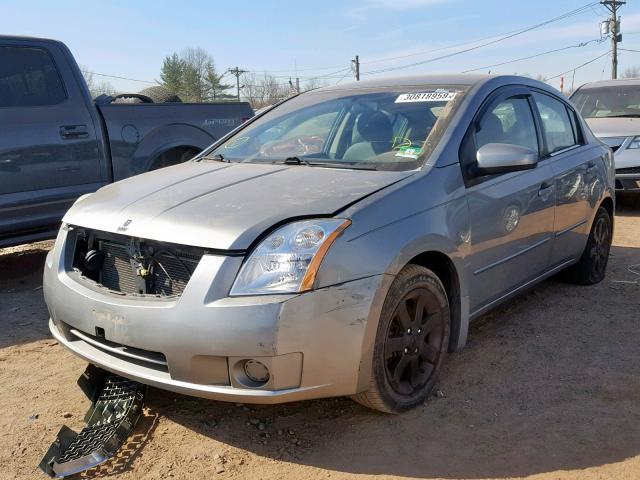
(592, 266)
(411, 342)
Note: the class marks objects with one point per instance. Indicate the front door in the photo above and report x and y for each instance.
(49, 153)
(512, 214)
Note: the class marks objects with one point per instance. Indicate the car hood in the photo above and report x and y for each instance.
(222, 206)
(614, 127)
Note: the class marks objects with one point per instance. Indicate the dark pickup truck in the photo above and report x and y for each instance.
(56, 143)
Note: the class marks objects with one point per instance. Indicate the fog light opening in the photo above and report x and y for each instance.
(256, 371)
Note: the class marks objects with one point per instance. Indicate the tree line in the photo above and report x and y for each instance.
(191, 75)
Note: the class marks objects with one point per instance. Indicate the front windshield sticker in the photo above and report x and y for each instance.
(408, 151)
(439, 95)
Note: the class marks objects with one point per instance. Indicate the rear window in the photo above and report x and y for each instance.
(28, 78)
(614, 101)
(556, 123)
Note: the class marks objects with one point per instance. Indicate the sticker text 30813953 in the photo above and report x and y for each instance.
(437, 96)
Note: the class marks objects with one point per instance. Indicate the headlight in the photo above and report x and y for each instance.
(287, 260)
(635, 143)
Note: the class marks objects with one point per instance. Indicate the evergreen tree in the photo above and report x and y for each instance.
(215, 86)
(172, 73)
(192, 76)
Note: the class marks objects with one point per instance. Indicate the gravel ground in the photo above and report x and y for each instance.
(547, 388)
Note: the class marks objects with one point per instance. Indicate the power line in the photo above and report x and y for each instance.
(485, 44)
(120, 78)
(417, 54)
(577, 45)
(578, 67)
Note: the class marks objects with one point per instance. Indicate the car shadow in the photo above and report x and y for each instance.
(547, 382)
(23, 313)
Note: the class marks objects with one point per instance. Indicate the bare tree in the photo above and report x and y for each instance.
(314, 83)
(262, 91)
(96, 87)
(631, 72)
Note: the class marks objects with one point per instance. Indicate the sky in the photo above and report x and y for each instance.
(286, 38)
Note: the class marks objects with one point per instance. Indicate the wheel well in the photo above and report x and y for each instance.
(607, 203)
(444, 268)
(173, 156)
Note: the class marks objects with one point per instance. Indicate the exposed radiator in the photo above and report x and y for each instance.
(134, 266)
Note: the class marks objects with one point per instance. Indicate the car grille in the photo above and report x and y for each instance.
(134, 266)
(628, 170)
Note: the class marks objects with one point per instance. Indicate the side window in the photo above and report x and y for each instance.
(509, 121)
(28, 78)
(556, 123)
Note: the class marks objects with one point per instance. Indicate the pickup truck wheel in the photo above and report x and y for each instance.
(593, 263)
(411, 342)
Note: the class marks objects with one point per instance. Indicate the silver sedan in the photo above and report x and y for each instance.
(338, 244)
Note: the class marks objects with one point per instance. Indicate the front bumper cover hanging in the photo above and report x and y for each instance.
(116, 407)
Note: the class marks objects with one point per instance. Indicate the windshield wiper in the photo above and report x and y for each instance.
(303, 161)
(296, 161)
(218, 157)
(629, 115)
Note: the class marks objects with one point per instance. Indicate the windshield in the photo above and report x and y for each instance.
(382, 129)
(616, 101)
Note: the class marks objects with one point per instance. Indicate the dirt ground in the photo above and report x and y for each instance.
(547, 388)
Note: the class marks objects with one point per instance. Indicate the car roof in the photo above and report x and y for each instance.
(611, 83)
(415, 80)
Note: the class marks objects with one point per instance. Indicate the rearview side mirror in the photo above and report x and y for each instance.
(495, 158)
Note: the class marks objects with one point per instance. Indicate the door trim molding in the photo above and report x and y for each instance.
(572, 227)
(512, 256)
(518, 289)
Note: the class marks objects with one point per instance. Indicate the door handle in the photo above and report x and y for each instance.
(545, 190)
(73, 131)
(591, 167)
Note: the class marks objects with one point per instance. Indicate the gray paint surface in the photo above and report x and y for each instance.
(500, 234)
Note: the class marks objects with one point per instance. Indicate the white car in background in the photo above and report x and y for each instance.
(612, 111)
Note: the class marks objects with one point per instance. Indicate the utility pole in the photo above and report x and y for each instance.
(237, 72)
(356, 67)
(613, 6)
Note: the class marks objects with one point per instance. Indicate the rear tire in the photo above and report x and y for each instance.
(411, 342)
(591, 268)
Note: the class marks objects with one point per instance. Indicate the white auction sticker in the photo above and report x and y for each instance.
(437, 96)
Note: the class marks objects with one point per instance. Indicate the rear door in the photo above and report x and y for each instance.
(512, 213)
(576, 173)
(49, 153)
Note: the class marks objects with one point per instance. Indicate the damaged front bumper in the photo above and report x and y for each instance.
(316, 344)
